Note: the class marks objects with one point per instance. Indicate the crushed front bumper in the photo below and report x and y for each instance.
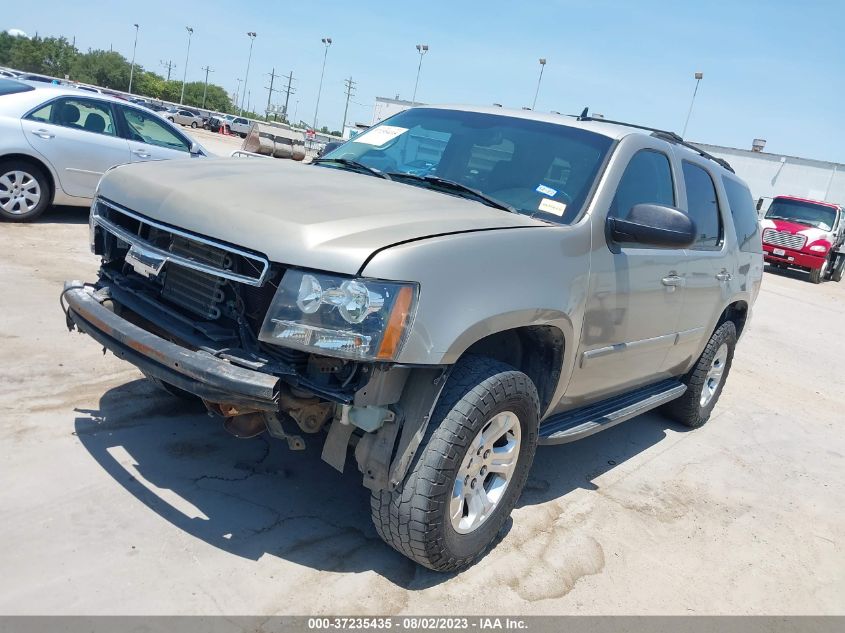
(197, 372)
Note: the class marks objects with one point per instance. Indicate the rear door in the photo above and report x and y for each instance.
(78, 137)
(709, 267)
(151, 138)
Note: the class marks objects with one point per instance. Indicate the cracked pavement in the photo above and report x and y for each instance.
(119, 499)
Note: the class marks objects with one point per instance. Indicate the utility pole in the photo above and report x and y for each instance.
(238, 91)
(205, 89)
(350, 86)
(273, 76)
(169, 65)
(288, 92)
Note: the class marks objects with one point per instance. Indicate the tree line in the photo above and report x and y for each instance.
(57, 57)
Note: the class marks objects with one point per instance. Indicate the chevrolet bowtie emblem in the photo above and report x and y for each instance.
(145, 262)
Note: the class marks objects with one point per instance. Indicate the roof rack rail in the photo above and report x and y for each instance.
(665, 135)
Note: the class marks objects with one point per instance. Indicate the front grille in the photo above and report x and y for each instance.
(203, 277)
(157, 239)
(784, 239)
(197, 291)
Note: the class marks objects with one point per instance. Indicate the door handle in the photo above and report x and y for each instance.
(724, 276)
(43, 134)
(141, 153)
(672, 281)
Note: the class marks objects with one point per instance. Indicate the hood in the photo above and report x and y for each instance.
(810, 232)
(296, 214)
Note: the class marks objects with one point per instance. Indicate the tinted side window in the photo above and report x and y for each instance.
(88, 115)
(703, 206)
(647, 179)
(744, 215)
(147, 128)
(42, 114)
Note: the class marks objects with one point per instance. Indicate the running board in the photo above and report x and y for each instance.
(579, 423)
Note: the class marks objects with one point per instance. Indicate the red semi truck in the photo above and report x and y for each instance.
(805, 234)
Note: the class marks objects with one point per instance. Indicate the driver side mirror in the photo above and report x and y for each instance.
(196, 150)
(653, 225)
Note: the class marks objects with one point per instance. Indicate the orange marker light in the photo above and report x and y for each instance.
(396, 324)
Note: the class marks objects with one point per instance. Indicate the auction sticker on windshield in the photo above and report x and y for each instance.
(380, 135)
(552, 206)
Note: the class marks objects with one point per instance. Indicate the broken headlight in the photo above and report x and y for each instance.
(360, 319)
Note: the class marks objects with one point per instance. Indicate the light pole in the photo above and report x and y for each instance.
(327, 41)
(698, 77)
(537, 92)
(251, 35)
(422, 49)
(187, 54)
(132, 70)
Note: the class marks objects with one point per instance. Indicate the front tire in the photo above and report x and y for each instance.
(817, 275)
(194, 124)
(706, 379)
(470, 469)
(24, 191)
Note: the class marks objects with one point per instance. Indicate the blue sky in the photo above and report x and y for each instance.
(774, 70)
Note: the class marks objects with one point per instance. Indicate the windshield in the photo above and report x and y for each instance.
(535, 168)
(821, 217)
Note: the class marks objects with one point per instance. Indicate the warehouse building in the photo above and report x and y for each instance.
(769, 175)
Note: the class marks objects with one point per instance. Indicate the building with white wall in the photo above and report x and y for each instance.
(769, 175)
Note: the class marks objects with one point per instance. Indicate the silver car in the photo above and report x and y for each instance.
(184, 117)
(56, 143)
(433, 299)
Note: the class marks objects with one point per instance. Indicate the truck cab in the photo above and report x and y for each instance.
(805, 234)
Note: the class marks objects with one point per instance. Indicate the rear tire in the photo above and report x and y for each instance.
(24, 191)
(451, 506)
(705, 380)
(838, 271)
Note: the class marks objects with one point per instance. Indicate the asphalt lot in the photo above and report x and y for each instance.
(119, 499)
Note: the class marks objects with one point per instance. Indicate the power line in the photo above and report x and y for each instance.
(350, 87)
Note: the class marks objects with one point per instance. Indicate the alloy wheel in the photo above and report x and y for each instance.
(714, 375)
(20, 192)
(486, 471)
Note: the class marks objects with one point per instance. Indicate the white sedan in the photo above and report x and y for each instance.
(56, 143)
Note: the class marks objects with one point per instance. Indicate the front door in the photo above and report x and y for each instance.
(150, 138)
(635, 293)
(78, 137)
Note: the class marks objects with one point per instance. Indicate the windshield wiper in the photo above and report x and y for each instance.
(457, 187)
(348, 162)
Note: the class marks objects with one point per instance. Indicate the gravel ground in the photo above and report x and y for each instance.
(120, 500)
